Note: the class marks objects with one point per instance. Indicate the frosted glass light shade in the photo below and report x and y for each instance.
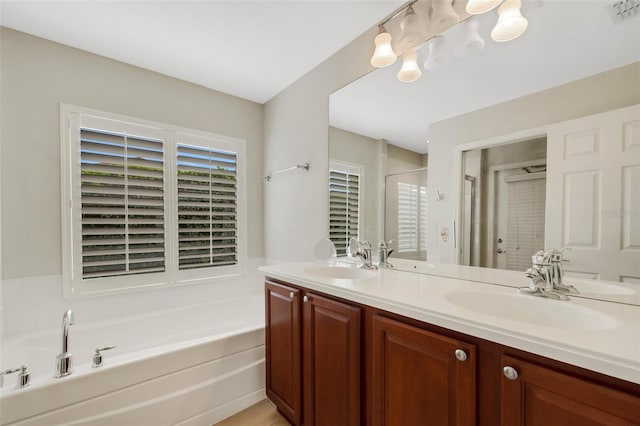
(384, 55)
(511, 24)
(444, 17)
(411, 35)
(438, 54)
(410, 71)
(476, 7)
(470, 41)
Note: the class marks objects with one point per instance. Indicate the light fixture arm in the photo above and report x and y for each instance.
(397, 12)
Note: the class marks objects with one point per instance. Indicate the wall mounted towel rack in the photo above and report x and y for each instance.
(304, 167)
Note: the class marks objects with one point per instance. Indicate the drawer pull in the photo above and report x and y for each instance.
(510, 373)
(461, 355)
(291, 295)
(305, 299)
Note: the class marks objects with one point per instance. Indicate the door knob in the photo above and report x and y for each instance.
(461, 355)
(305, 299)
(500, 251)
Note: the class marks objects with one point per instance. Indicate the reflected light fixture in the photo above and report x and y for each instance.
(410, 70)
(511, 24)
(411, 35)
(443, 17)
(476, 7)
(384, 54)
(470, 41)
(438, 54)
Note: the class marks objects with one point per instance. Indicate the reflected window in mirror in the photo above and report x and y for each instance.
(345, 199)
(406, 213)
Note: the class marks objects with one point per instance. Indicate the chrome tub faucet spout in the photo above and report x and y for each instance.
(64, 361)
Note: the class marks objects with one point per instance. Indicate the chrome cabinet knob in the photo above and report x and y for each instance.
(510, 373)
(461, 355)
(291, 295)
(305, 299)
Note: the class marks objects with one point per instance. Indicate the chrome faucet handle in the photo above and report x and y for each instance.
(24, 378)
(97, 357)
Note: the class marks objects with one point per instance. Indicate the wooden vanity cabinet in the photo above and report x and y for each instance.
(420, 377)
(313, 358)
(538, 396)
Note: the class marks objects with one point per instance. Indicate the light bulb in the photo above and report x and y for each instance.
(511, 24)
(476, 7)
(438, 54)
(470, 40)
(410, 71)
(411, 35)
(444, 17)
(384, 54)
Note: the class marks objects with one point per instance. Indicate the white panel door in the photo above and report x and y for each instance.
(593, 194)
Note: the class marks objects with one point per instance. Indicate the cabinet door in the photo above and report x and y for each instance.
(417, 379)
(282, 344)
(331, 366)
(539, 396)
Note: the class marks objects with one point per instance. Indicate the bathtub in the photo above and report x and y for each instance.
(194, 365)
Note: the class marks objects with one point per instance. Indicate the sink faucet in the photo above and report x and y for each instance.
(541, 275)
(555, 258)
(64, 361)
(363, 251)
(383, 254)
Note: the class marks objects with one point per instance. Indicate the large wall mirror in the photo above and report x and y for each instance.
(383, 127)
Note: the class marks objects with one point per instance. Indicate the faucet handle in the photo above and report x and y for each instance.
(97, 357)
(24, 378)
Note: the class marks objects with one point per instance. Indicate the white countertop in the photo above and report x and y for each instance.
(612, 349)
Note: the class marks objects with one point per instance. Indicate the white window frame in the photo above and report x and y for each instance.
(74, 285)
(354, 169)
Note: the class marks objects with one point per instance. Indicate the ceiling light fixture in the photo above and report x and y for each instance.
(410, 70)
(384, 54)
(476, 7)
(441, 15)
(511, 24)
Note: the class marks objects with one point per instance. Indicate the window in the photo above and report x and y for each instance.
(147, 204)
(345, 185)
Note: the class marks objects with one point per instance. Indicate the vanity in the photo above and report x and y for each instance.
(347, 346)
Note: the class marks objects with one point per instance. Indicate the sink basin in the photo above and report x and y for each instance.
(532, 310)
(340, 272)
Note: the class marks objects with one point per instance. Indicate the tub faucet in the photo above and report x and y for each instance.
(64, 361)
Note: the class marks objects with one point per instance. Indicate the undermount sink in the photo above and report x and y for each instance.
(532, 310)
(340, 272)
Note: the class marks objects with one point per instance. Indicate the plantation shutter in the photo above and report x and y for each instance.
(344, 209)
(122, 204)
(207, 207)
(412, 217)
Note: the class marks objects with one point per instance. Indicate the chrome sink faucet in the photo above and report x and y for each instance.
(363, 251)
(383, 254)
(541, 275)
(64, 361)
(557, 273)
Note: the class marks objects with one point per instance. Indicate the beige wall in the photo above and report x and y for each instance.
(296, 130)
(36, 75)
(400, 160)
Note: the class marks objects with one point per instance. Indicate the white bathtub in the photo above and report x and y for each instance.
(190, 366)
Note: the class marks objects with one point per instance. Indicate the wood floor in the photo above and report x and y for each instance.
(261, 414)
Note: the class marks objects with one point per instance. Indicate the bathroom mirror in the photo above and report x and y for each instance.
(384, 114)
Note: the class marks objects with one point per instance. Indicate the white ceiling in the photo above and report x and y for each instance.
(251, 49)
(565, 41)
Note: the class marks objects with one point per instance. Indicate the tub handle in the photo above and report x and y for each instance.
(97, 357)
(24, 378)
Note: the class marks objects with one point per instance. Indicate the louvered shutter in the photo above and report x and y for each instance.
(344, 209)
(207, 207)
(122, 204)
(407, 217)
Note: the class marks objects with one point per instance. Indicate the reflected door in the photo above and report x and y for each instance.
(594, 174)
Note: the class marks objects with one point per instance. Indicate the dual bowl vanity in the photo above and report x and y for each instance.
(442, 346)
